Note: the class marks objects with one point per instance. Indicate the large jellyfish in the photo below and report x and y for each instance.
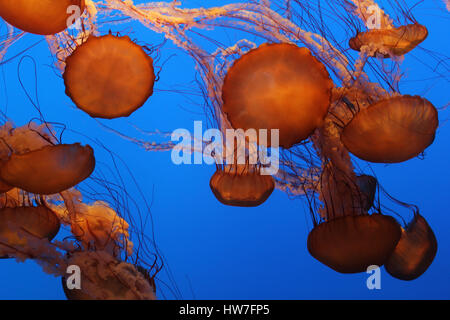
(414, 252)
(347, 238)
(43, 17)
(277, 86)
(105, 278)
(109, 76)
(392, 130)
(39, 166)
(49, 170)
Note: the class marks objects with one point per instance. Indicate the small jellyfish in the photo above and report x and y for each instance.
(392, 130)
(109, 76)
(414, 252)
(368, 187)
(241, 185)
(395, 41)
(43, 17)
(39, 221)
(50, 169)
(277, 86)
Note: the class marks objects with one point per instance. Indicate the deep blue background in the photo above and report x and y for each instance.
(226, 252)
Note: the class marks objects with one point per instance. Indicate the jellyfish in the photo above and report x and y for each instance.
(368, 187)
(414, 252)
(38, 221)
(105, 278)
(241, 185)
(395, 41)
(109, 76)
(42, 17)
(347, 238)
(50, 169)
(277, 86)
(350, 244)
(97, 226)
(32, 160)
(392, 130)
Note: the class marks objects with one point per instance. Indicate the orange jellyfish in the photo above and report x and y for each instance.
(277, 86)
(396, 41)
(50, 169)
(241, 185)
(109, 76)
(414, 252)
(104, 278)
(392, 130)
(40, 222)
(350, 244)
(348, 239)
(43, 17)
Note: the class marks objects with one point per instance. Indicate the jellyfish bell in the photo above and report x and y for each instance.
(368, 187)
(20, 140)
(396, 41)
(101, 227)
(111, 287)
(50, 169)
(109, 76)
(105, 278)
(350, 244)
(414, 252)
(277, 86)
(392, 130)
(44, 17)
(241, 185)
(37, 221)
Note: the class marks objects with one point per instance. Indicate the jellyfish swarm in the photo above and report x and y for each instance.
(392, 130)
(348, 239)
(395, 41)
(43, 17)
(109, 76)
(414, 252)
(277, 86)
(31, 162)
(241, 185)
(36, 221)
